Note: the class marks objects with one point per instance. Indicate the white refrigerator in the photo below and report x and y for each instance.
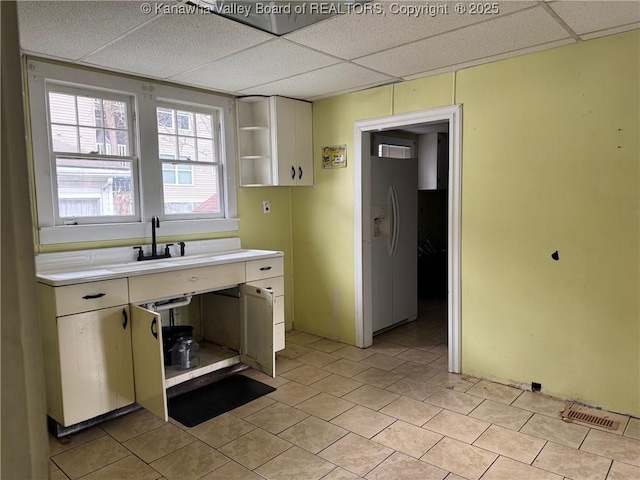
(394, 202)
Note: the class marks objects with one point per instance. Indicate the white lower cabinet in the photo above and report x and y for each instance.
(96, 373)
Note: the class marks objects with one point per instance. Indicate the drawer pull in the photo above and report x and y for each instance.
(265, 268)
(153, 324)
(92, 297)
(194, 279)
(126, 319)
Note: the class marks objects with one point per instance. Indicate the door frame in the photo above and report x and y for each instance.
(363, 230)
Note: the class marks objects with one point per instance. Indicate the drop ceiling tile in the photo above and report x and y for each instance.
(495, 58)
(334, 78)
(354, 35)
(264, 63)
(73, 29)
(513, 32)
(585, 17)
(172, 44)
(610, 31)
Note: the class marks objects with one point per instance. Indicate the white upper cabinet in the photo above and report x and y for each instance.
(275, 141)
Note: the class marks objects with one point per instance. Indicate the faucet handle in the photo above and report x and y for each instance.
(140, 254)
(166, 249)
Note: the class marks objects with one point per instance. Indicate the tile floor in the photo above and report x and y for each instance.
(387, 412)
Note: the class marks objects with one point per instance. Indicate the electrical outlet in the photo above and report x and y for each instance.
(266, 206)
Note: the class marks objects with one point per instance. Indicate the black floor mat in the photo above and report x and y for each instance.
(200, 405)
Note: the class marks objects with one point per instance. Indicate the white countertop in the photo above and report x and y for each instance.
(68, 268)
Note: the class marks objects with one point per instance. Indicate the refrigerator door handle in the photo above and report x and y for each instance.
(396, 220)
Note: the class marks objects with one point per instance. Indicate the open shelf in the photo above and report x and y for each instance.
(212, 357)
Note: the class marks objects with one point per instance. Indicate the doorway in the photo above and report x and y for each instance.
(363, 220)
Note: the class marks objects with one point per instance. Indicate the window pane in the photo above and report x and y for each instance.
(185, 123)
(165, 120)
(62, 108)
(168, 173)
(92, 141)
(187, 148)
(167, 146)
(94, 188)
(204, 125)
(202, 196)
(205, 150)
(90, 112)
(115, 114)
(64, 139)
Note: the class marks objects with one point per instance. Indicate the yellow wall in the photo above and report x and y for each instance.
(550, 162)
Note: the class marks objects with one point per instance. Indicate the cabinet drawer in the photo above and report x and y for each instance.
(275, 284)
(157, 286)
(91, 296)
(267, 268)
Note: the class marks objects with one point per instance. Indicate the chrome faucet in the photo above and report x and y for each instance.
(155, 223)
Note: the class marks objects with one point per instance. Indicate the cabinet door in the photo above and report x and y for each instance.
(148, 364)
(284, 140)
(95, 363)
(304, 144)
(257, 329)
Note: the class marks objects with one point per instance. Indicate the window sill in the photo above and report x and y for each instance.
(123, 231)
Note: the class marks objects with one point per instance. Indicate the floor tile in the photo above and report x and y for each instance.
(325, 406)
(346, 368)
(407, 468)
(452, 381)
(133, 424)
(285, 364)
(633, 428)
(231, 471)
(327, 346)
(622, 471)
(501, 414)
(371, 397)
(59, 475)
(252, 407)
(378, 378)
(418, 356)
(411, 411)
(456, 401)
(159, 442)
(354, 354)
(440, 349)
(341, 474)
(255, 448)
(363, 421)
(408, 439)
(221, 429)
(293, 350)
(129, 468)
(386, 348)
(336, 385)
(276, 418)
(572, 463)
(418, 371)
(313, 434)
(540, 403)
(610, 445)
(413, 388)
(356, 454)
(506, 469)
(460, 458)
(494, 391)
(382, 362)
(306, 374)
(190, 462)
(558, 431)
(90, 456)
(318, 359)
(508, 443)
(295, 463)
(293, 393)
(418, 342)
(457, 426)
(303, 338)
(59, 445)
(276, 382)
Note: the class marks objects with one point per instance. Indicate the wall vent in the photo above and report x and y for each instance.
(589, 418)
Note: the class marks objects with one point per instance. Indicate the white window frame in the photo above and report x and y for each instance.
(146, 97)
